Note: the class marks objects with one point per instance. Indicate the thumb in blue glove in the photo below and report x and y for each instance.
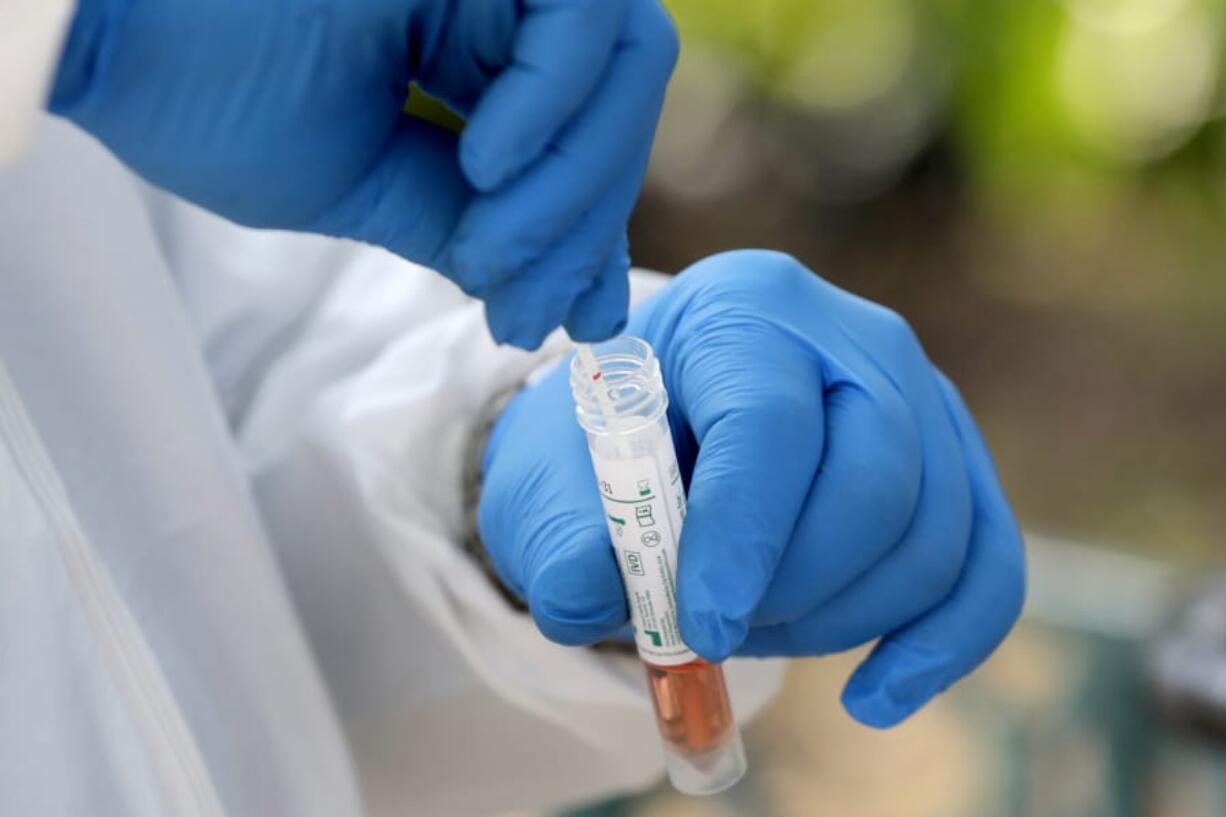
(289, 115)
(839, 492)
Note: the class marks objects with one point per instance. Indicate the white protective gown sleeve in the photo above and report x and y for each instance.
(30, 35)
(230, 580)
(151, 660)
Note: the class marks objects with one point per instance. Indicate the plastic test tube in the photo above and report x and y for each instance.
(621, 403)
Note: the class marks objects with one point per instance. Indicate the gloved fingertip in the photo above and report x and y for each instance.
(601, 311)
(873, 705)
(596, 329)
(500, 330)
(711, 635)
(578, 630)
(527, 339)
(484, 169)
(890, 686)
(576, 601)
(508, 329)
(875, 712)
(464, 267)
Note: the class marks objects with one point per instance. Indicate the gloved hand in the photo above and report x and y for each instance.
(839, 491)
(289, 115)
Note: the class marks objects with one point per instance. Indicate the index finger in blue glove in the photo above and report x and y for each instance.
(753, 399)
(507, 230)
(600, 312)
(582, 280)
(523, 311)
(910, 666)
(561, 50)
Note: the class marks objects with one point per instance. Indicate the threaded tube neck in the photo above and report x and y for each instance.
(630, 375)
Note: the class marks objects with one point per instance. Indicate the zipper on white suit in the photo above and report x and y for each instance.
(130, 663)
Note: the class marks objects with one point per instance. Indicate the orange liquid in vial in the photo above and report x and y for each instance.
(692, 706)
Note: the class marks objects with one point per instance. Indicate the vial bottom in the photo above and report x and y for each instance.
(702, 744)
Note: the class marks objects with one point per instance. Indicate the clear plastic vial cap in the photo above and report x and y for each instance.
(630, 377)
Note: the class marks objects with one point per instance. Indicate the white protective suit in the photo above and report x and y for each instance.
(230, 468)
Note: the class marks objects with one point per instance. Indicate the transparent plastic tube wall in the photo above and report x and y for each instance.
(621, 402)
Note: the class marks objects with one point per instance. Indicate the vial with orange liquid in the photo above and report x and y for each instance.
(621, 403)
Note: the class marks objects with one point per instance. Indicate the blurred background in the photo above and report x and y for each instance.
(1039, 186)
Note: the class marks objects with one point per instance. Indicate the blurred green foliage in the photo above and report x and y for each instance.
(1039, 185)
(1035, 92)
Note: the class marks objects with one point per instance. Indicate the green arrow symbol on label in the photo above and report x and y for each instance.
(655, 637)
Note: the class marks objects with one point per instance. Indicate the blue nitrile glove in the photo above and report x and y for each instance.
(839, 491)
(289, 115)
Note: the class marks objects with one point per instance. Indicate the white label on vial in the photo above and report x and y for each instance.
(644, 504)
